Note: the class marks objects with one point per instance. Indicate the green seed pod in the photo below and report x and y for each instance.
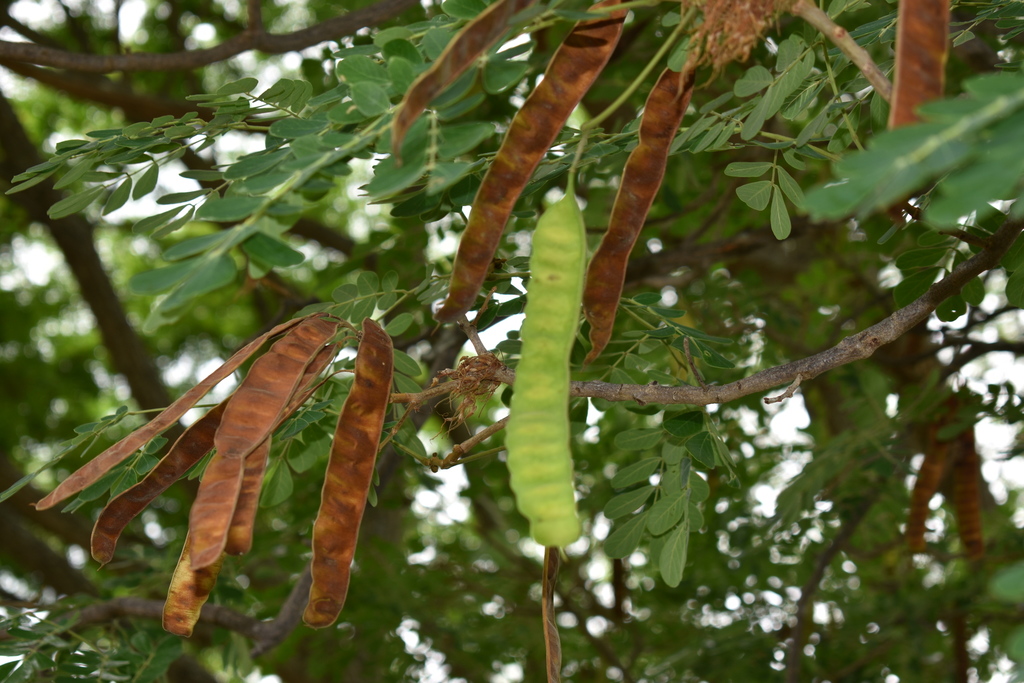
(537, 435)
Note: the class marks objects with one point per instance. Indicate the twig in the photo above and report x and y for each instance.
(460, 449)
(841, 38)
(469, 329)
(265, 634)
(693, 366)
(269, 43)
(788, 393)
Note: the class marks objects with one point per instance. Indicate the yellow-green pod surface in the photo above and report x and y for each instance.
(537, 435)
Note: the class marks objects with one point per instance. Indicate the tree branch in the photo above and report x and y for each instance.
(839, 36)
(857, 347)
(254, 38)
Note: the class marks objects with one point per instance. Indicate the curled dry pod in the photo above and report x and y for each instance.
(474, 38)
(641, 180)
(348, 478)
(967, 495)
(928, 479)
(188, 592)
(537, 435)
(258, 405)
(98, 466)
(552, 642)
(243, 522)
(573, 69)
(922, 45)
(189, 449)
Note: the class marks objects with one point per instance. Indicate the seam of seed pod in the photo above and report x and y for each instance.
(574, 67)
(468, 44)
(188, 592)
(91, 471)
(349, 475)
(641, 180)
(258, 405)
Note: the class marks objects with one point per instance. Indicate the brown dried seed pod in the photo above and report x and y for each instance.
(243, 522)
(922, 46)
(348, 477)
(967, 495)
(188, 592)
(641, 180)
(258, 405)
(189, 449)
(474, 38)
(98, 466)
(573, 69)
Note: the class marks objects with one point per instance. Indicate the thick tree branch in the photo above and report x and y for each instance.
(839, 36)
(857, 347)
(252, 39)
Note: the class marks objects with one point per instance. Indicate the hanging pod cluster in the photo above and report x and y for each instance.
(238, 431)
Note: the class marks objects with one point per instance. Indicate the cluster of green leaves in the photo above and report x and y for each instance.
(684, 440)
(52, 649)
(971, 141)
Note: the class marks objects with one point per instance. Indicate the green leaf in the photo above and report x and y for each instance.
(1014, 258)
(242, 85)
(296, 128)
(399, 324)
(195, 245)
(666, 513)
(685, 424)
(500, 75)
(699, 489)
(151, 223)
(370, 98)
(161, 279)
(463, 9)
(917, 258)
(1008, 584)
(228, 209)
(755, 80)
(118, 197)
(389, 178)
(781, 225)
(673, 556)
(74, 203)
(951, 309)
(75, 173)
(181, 197)
(624, 503)
(973, 292)
(1015, 288)
(272, 251)
(755, 195)
(279, 485)
(212, 273)
(914, 286)
(636, 473)
(406, 365)
(702, 448)
(790, 187)
(625, 538)
(638, 439)
(146, 183)
(748, 169)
